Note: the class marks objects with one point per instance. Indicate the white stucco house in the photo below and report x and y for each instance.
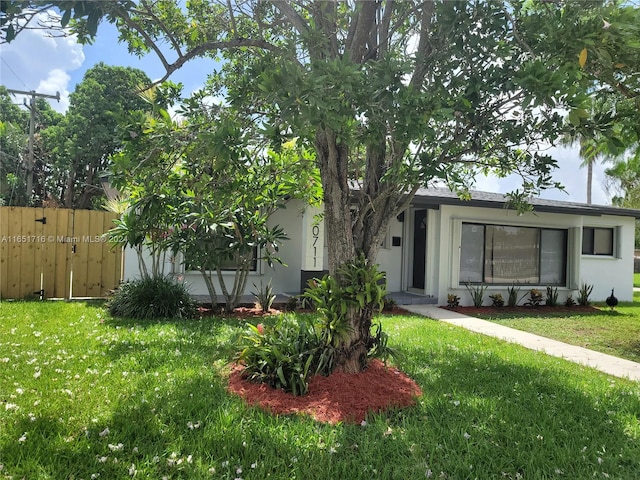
(441, 242)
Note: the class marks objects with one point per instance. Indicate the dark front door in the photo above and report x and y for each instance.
(419, 248)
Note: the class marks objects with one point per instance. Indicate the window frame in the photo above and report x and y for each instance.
(540, 272)
(255, 264)
(589, 233)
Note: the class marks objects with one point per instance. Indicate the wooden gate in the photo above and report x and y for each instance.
(57, 253)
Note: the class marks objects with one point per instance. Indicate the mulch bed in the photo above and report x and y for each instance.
(340, 397)
(348, 398)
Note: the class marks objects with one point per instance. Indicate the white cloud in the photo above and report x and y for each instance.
(36, 61)
(57, 81)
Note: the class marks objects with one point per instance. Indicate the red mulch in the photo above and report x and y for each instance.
(340, 397)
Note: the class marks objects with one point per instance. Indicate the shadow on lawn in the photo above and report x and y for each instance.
(499, 417)
(481, 415)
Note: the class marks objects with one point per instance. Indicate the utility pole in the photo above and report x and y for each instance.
(32, 128)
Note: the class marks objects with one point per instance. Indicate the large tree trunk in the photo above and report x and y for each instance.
(351, 353)
(333, 159)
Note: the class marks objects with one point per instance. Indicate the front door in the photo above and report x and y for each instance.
(419, 248)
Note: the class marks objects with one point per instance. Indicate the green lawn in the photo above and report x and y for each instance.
(636, 280)
(614, 332)
(85, 397)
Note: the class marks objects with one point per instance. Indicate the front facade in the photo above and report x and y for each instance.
(441, 244)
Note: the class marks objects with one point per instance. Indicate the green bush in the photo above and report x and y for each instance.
(584, 293)
(552, 296)
(512, 295)
(477, 293)
(147, 298)
(282, 356)
(496, 300)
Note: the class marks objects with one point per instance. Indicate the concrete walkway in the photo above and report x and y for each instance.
(606, 363)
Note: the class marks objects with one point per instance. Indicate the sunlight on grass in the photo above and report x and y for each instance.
(636, 280)
(615, 332)
(84, 396)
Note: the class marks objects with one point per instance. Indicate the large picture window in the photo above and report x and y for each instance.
(503, 254)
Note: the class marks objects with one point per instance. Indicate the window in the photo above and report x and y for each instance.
(597, 241)
(228, 264)
(503, 254)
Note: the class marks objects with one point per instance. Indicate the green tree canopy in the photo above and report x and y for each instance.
(202, 187)
(80, 145)
(14, 138)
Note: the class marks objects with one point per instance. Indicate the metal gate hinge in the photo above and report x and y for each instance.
(42, 220)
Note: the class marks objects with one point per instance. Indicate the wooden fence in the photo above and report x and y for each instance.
(57, 253)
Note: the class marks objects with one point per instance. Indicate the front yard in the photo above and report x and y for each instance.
(615, 332)
(84, 396)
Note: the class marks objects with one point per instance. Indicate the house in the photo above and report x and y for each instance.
(441, 243)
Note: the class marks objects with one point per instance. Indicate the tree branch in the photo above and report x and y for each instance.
(365, 20)
(296, 20)
(147, 39)
(424, 46)
(168, 33)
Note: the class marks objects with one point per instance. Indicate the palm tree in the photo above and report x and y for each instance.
(597, 130)
(591, 150)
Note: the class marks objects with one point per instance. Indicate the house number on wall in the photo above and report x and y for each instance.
(315, 233)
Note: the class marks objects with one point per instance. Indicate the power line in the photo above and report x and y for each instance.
(14, 72)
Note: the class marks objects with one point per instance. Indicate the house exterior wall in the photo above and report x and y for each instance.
(443, 241)
(390, 255)
(603, 272)
(284, 278)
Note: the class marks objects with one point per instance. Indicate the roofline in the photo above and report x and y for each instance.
(434, 197)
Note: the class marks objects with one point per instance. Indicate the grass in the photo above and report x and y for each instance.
(636, 280)
(85, 397)
(613, 332)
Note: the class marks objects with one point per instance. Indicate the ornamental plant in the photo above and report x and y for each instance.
(551, 299)
(477, 293)
(497, 300)
(453, 300)
(584, 293)
(535, 297)
(282, 356)
(512, 295)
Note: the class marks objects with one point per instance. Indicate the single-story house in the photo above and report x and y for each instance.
(441, 243)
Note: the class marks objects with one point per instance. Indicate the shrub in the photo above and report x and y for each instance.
(512, 295)
(497, 300)
(453, 300)
(147, 298)
(293, 303)
(389, 304)
(535, 297)
(264, 296)
(477, 293)
(552, 297)
(288, 353)
(584, 293)
(363, 288)
(282, 356)
(569, 302)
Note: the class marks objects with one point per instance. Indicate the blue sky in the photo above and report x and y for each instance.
(36, 62)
